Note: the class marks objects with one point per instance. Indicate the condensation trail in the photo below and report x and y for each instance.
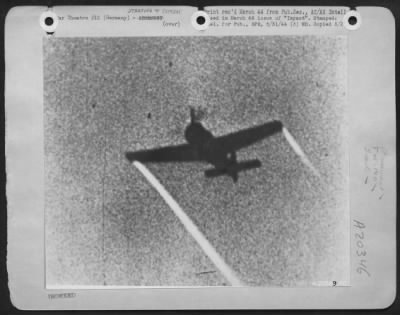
(205, 245)
(297, 149)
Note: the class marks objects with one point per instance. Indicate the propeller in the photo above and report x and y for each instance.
(196, 114)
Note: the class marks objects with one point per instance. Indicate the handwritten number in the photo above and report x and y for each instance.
(360, 270)
(362, 253)
(359, 235)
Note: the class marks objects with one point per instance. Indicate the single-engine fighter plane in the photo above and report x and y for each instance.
(202, 146)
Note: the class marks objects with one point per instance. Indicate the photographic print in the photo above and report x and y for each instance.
(196, 161)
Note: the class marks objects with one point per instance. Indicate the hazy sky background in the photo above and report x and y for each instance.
(279, 225)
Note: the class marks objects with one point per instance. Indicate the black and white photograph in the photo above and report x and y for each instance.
(193, 161)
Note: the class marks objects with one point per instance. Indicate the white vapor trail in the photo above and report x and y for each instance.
(205, 245)
(297, 149)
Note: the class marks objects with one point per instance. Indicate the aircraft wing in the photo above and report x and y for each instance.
(246, 137)
(178, 153)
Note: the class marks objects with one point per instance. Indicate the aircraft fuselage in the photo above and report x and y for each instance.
(203, 146)
(210, 150)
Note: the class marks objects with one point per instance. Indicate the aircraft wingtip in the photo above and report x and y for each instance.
(279, 124)
(128, 156)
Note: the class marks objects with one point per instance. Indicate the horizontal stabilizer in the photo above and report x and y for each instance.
(213, 172)
(236, 168)
(247, 165)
